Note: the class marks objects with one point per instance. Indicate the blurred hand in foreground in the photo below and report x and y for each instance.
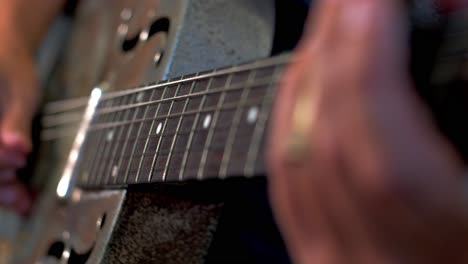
(19, 96)
(358, 171)
(23, 25)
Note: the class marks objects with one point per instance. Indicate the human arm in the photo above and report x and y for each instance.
(23, 25)
(375, 182)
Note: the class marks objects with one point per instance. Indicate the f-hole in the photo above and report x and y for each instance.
(160, 25)
(76, 258)
(56, 250)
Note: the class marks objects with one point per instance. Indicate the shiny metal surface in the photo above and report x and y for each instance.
(68, 178)
(190, 36)
(83, 225)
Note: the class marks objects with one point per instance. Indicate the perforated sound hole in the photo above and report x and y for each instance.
(101, 221)
(65, 253)
(76, 258)
(56, 250)
(160, 25)
(62, 252)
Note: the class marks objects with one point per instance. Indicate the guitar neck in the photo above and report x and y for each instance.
(203, 126)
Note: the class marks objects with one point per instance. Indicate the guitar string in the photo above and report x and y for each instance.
(179, 123)
(274, 61)
(140, 128)
(69, 104)
(70, 118)
(60, 130)
(51, 134)
(237, 86)
(235, 123)
(163, 134)
(209, 145)
(185, 151)
(209, 137)
(259, 129)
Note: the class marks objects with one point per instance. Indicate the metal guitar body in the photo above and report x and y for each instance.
(117, 45)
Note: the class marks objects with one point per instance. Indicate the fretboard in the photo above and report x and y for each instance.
(203, 126)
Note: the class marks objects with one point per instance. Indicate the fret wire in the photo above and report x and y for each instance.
(127, 172)
(264, 81)
(125, 144)
(99, 160)
(259, 130)
(209, 137)
(168, 134)
(121, 123)
(125, 107)
(69, 117)
(163, 129)
(109, 168)
(148, 137)
(101, 171)
(92, 164)
(94, 161)
(52, 108)
(234, 126)
(192, 132)
(280, 59)
(169, 156)
(83, 177)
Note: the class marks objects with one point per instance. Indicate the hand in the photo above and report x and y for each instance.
(374, 181)
(19, 95)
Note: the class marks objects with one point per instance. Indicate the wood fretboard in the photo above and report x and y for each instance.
(203, 126)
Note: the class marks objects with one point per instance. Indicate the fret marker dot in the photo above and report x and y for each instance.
(110, 135)
(85, 176)
(252, 115)
(144, 35)
(207, 121)
(158, 129)
(122, 29)
(126, 14)
(139, 97)
(115, 170)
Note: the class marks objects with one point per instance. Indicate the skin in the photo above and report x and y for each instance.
(377, 183)
(23, 24)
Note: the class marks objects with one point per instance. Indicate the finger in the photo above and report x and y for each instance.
(387, 103)
(350, 230)
(16, 129)
(373, 40)
(286, 96)
(321, 24)
(18, 111)
(7, 176)
(300, 215)
(451, 5)
(11, 159)
(14, 196)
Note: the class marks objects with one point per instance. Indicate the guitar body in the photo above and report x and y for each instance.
(121, 44)
(135, 218)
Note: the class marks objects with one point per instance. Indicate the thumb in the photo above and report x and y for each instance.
(15, 133)
(19, 105)
(15, 125)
